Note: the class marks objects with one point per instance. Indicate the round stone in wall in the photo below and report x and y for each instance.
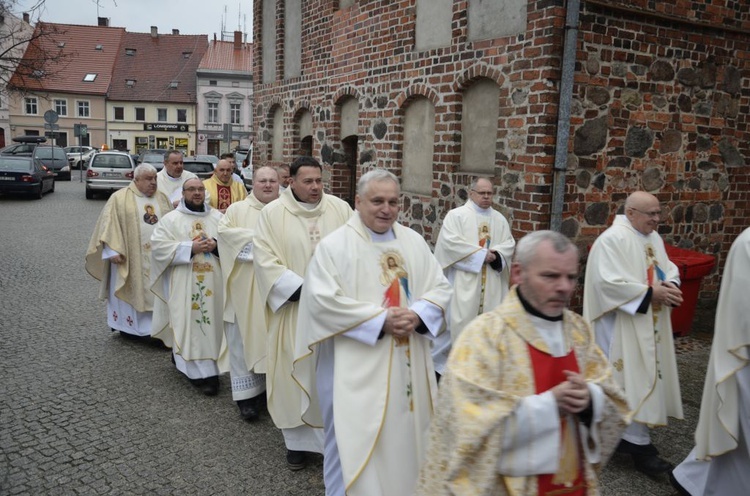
(597, 95)
(661, 70)
(671, 141)
(592, 64)
(638, 141)
(687, 77)
(596, 214)
(652, 179)
(570, 227)
(732, 80)
(591, 137)
(700, 212)
(583, 179)
(732, 157)
(684, 103)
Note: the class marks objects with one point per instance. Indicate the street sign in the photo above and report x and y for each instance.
(51, 116)
(51, 126)
(80, 130)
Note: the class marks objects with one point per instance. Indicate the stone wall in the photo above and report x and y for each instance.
(660, 103)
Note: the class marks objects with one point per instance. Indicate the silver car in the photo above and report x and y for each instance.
(107, 172)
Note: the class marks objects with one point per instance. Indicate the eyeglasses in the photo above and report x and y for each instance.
(482, 193)
(656, 214)
(194, 189)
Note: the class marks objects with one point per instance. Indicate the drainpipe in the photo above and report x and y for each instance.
(563, 117)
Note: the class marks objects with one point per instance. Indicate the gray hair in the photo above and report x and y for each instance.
(527, 247)
(475, 181)
(375, 175)
(142, 169)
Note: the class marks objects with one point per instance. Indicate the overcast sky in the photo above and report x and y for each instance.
(189, 16)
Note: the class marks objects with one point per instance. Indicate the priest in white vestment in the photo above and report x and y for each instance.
(173, 175)
(221, 189)
(528, 404)
(720, 462)
(474, 247)
(630, 289)
(287, 233)
(374, 297)
(119, 253)
(186, 275)
(244, 309)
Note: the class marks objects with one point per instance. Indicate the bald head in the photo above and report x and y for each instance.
(643, 211)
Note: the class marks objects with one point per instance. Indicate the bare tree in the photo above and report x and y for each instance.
(27, 52)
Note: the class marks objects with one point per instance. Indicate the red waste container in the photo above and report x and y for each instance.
(693, 267)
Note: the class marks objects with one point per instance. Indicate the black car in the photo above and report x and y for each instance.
(201, 168)
(55, 159)
(25, 175)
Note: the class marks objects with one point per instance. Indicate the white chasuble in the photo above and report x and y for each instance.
(285, 238)
(490, 377)
(171, 186)
(192, 287)
(242, 301)
(621, 266)
(383, 393)
(468, 232)
(124, 228)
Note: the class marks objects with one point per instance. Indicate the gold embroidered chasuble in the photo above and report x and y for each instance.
(489, 372)
(194, 291)
(242, 300)
(126, 229)
(384, 394)
(618, 270)
(285, 237)
(465, 232)
(220, 195)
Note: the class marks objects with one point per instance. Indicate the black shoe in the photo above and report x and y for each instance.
(677, 486)
(210, 386)
(131, 337)
(248, 409)
(636, 449)
(651, 465)
(296, 460)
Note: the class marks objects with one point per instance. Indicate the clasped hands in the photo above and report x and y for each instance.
(203, 245)
(666, 293)
(400, 322)
(572, 395)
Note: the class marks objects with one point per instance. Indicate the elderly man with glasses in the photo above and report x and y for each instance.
(630, 289)
(474, 248)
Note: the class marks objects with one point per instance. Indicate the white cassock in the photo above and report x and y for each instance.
(622, 265)
(170, 186)
(467, 234)
(192, 287)
(720, 462)
(376, 394)
(124, 228)
(286, 235)
(244, 309)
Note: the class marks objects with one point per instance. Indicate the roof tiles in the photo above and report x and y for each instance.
(222, 56)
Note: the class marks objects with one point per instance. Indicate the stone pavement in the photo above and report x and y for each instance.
(83, 411)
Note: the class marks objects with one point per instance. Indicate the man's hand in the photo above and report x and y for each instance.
(573, 395)
(400, 322)
(117, 259)
(490, 257)
(176, 203)
(203, 245)
(666, 293)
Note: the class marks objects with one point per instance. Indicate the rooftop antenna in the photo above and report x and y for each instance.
(98, 6)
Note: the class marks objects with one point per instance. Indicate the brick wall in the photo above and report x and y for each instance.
(622, 89)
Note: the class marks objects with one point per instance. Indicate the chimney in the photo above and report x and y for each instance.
(102, 21)
(175, 31)
(26, 17)
(214, 37)
(238, 40)
(154, 32)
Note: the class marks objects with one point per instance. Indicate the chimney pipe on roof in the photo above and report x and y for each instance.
(175, 31)
(154, 32)
(102, 21)
(26, 17)
(238, 40)
(214, 36)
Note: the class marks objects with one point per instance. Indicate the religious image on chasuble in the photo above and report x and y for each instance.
(203, 280)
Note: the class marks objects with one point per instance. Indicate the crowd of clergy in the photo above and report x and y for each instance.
(412, 371)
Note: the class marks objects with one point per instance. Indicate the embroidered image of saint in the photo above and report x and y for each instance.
(150, 216)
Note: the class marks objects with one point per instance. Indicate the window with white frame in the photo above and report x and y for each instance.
(213, 112)
(235, 113)
(61, 107)
(84, 108)
(30, 105)
(161, 115)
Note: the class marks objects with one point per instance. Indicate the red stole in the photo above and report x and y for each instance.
(225, 196)
(548, 373)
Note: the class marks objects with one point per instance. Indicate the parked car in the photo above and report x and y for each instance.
(54, 158)
(79, 156)
(108, 172)
(25, 175)
(244, 159)
(151, 151)
(210, 158)
(201, 168)
(155, 159)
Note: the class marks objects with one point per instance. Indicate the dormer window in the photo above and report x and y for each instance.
(90, 77)
(99, 47)
(130, 51)
(186, 55)
(130, 82)
(173, 84)
(61, 44)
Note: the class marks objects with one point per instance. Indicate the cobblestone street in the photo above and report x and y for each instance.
(83, 411)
